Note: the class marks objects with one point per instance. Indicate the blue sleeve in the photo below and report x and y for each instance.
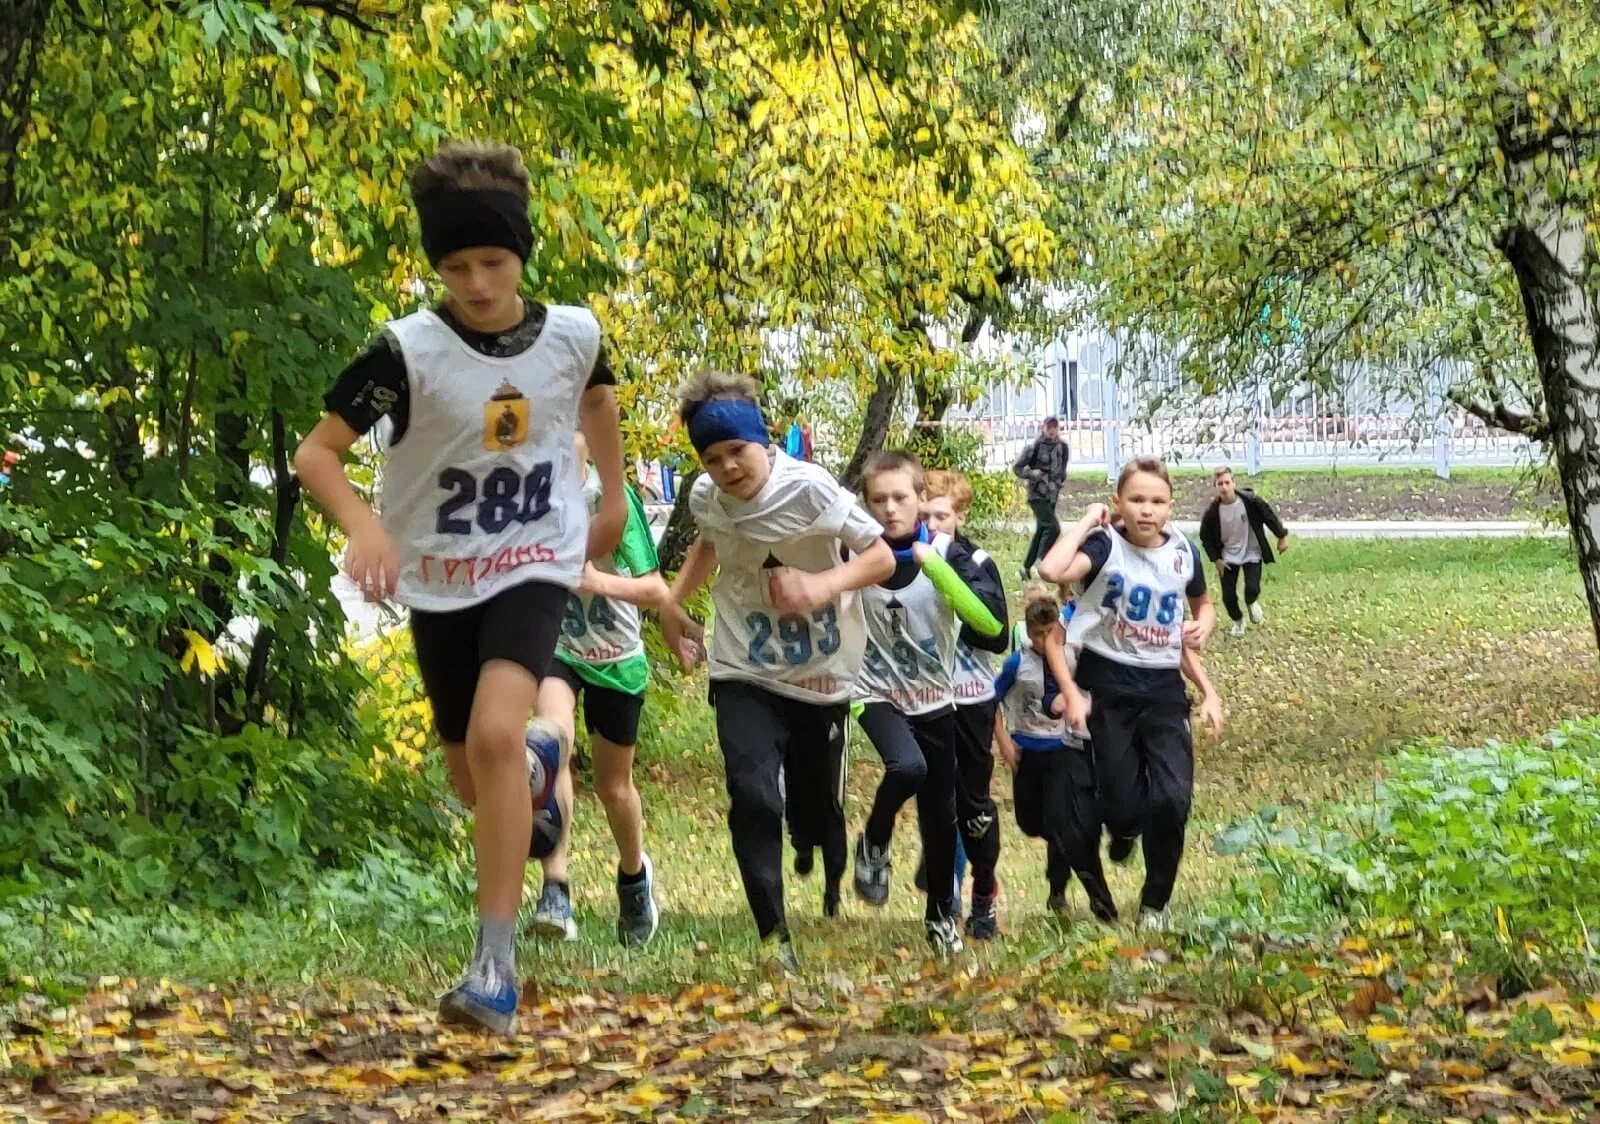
(1008, 675)
(1097, 548)
(1197, 580)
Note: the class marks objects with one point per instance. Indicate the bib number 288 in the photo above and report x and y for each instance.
(505, 497)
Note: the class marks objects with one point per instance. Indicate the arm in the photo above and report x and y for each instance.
(799, 592)
(985, 582)
(371, 560)
(1211, 533)
(648, 591)
(1210, 701)
(1274, 524)
(1023, 468)
(601, 424)
(1064, 565)
(681, 632)
(1197, 631)
(1002, 739)
(953, 579)
(1074, 703)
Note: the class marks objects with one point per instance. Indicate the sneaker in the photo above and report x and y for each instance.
(982, 923)
(482, 1000)
(1056, 903)
(1152, 920)
(1105, 911)
(1257, 614)
(1239, 628)
(552, 917)
(1121, 849)
(637, 916)
(944, 936)
(779, 958)
(872, 871)
(805, 861)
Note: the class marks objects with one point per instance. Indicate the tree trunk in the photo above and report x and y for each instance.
(286, 497)
(680, 533)
(22, 28)
(875, 421)
(1552, 256)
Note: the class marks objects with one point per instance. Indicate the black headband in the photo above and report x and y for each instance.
(456, 218)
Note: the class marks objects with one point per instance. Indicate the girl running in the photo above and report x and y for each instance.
(787, 641)
(1129, 627)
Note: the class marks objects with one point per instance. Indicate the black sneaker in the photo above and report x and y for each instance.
(920, 878)
(805, 861)
(982, 923)
(1056, 903)
(830, 902)
(872, 872)
(1121, 848)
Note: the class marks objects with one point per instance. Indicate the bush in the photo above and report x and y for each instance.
(1496, 845)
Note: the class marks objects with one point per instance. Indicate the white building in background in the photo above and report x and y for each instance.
(1113, 407)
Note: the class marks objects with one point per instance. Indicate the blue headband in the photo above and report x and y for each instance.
(727, 419)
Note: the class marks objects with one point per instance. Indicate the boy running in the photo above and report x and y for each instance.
(1129, 624)
(600, 658)
(787, 640)
(948, 498)
(1053, 764)
(481, 527)
(1234, 534)
(907, 689)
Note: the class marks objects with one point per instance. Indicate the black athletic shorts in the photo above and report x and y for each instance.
(611, 713)
(517, 624)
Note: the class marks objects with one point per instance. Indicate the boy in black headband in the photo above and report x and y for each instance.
(787, 643)
(481, 527)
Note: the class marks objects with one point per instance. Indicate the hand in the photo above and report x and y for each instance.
(1036, 474)
(1222, 568)
(1211, 713)
(1096, 515)
(797, 592)
(1058, 705)
(684, 635)
(1195, 636)
(372, 562)
(1078, 707)
(589, 579)
(1008, 753)
(1283, 545)
(920, 552)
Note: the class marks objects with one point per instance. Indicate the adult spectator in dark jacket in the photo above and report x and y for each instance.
(1233, 532)
(1043, 468)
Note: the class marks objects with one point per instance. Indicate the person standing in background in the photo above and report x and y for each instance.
(1043, 468)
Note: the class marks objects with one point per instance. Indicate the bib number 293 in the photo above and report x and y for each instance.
(505, 497)
(789, 638)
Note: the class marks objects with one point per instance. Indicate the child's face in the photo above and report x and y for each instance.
(483, 283)
(739, 468)
(939, 513)
(893, 501)
(1145, 504)
(1225, 488)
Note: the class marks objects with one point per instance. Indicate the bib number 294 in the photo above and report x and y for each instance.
(506, 497)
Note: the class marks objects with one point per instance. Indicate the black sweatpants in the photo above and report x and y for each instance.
(919, 758)
(775, 747)
(977, 818)
(1046, 529)
(1055, 800)
(1144, 769)
(1230, 588)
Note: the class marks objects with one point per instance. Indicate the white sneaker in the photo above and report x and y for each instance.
(1239, 628)
(1256, 613)
(1152, 920)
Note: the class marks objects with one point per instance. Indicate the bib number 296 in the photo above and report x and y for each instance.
(792, 637)
(506, 497)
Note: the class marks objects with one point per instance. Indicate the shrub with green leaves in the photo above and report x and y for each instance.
(1496, 844)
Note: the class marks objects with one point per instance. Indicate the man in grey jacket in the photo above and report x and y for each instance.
(1043, 468)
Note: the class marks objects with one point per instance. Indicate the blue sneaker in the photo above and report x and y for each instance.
(482, 999)
(637, 916)
(552, 917)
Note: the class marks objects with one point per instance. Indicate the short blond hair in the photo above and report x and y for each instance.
(711, 385)
(482, 164)
(939, 482)
(894, 460)
(1219, 472)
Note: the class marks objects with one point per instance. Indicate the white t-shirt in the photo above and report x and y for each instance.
(799, 519)
(1239, 543)
(911, 644)
(484, 491)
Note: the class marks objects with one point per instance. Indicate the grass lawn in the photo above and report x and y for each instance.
(1367, 646)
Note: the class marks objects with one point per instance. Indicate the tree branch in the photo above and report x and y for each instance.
(1502, 417)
